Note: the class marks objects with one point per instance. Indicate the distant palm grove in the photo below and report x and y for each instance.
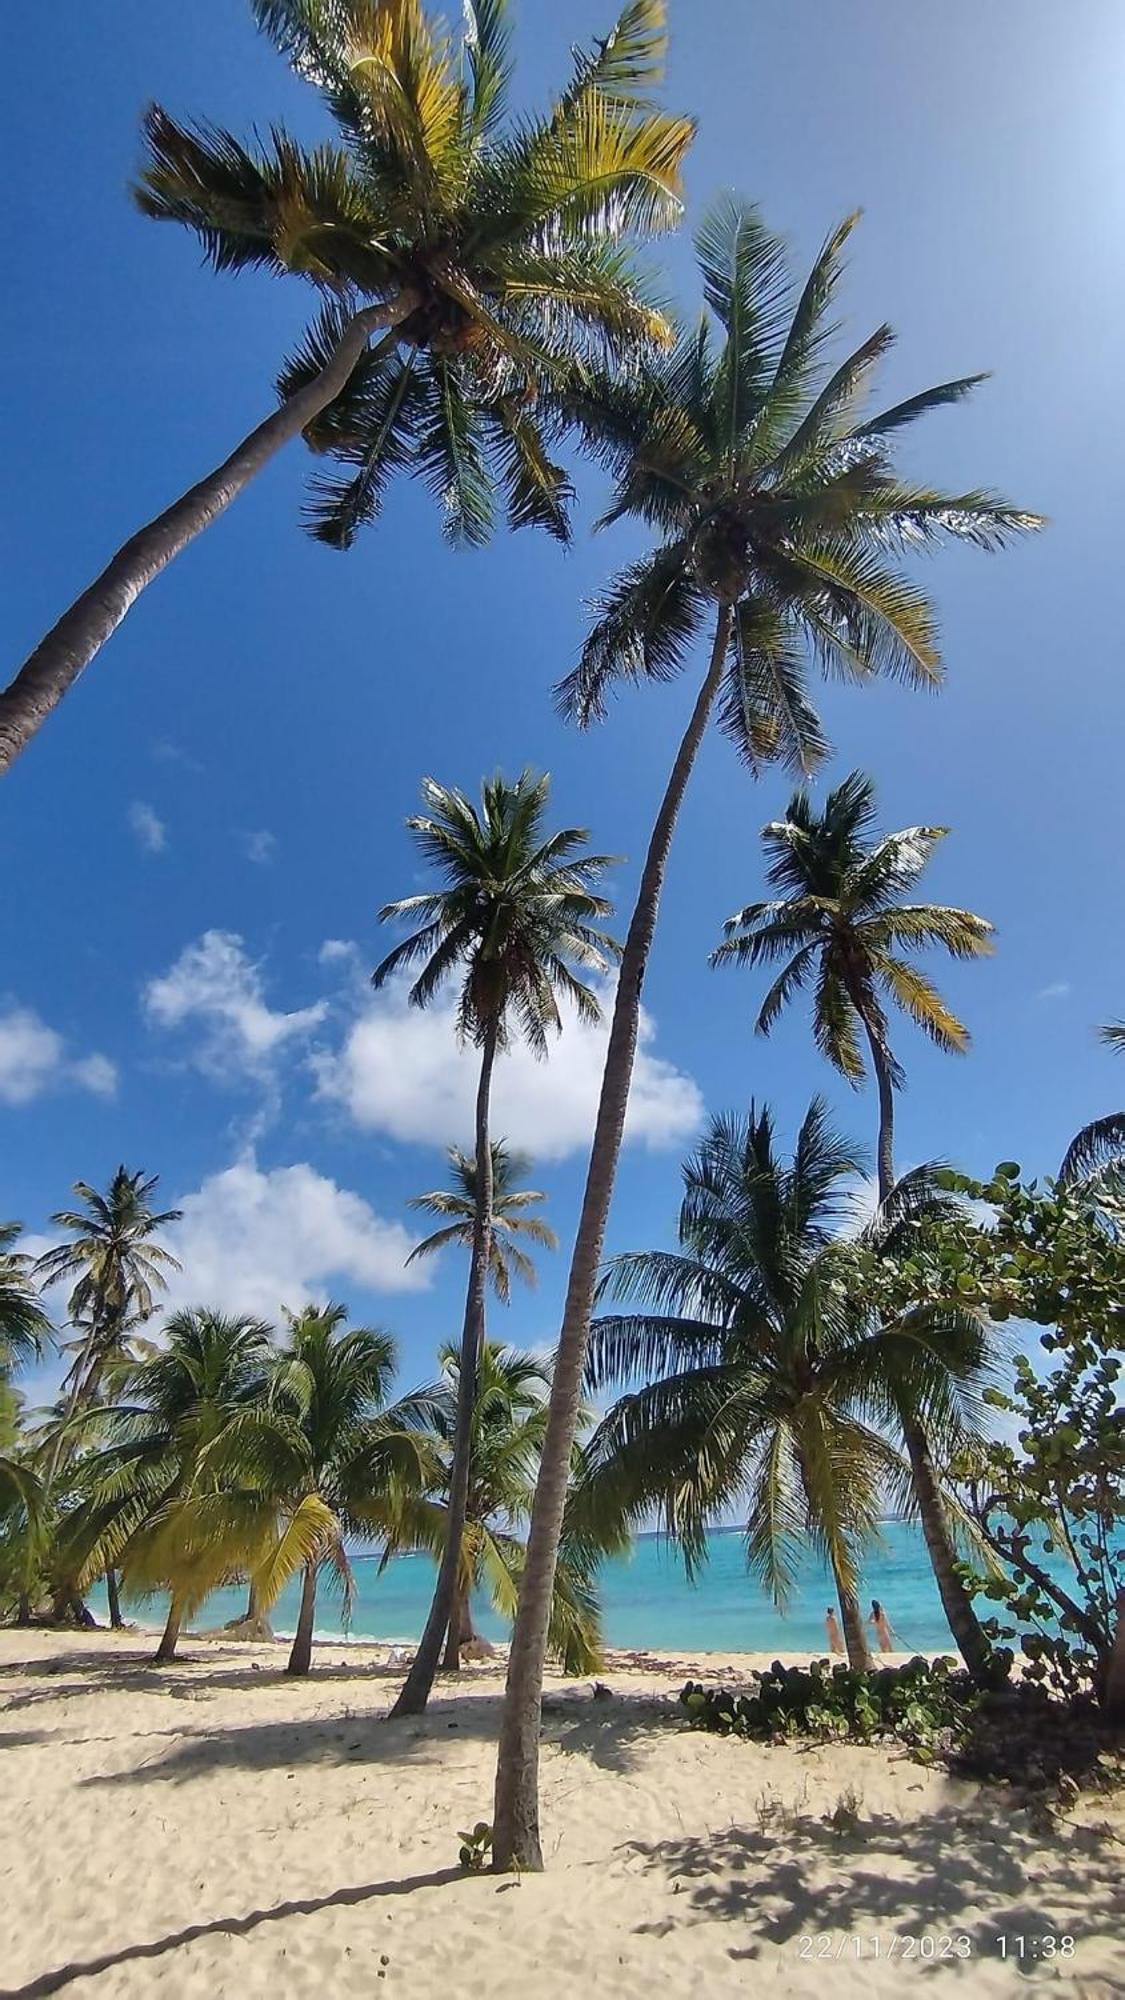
(799, 1359)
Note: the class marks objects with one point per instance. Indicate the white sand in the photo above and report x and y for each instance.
(219, 1830)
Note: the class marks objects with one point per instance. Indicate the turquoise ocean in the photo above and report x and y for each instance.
(647, 1600)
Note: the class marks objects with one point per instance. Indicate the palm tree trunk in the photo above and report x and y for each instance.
(855, 1636)
(116, 1622)
(300, 1657)
(516, 1811)
(416, 1688)
(166, 1650)
(1113, 1699)
(54, 666)
(23, 1608)
(956, 1601)
(460, 1631)
(881, 1064)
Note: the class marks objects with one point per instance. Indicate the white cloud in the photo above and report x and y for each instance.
(1060, 989)
(34, 1058)
(166, 751)
(217, 987)
(401, 1071)
(260, 845)
(337, 951)
(149, 830)
(253, 1241)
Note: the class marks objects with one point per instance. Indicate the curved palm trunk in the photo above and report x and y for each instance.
(116, 1622)
(416, 1688)
(54, 666)
(956, 1601)
(300, 1657)
(166, 1650)
(516, 1811)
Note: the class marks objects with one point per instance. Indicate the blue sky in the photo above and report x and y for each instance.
(238, 763)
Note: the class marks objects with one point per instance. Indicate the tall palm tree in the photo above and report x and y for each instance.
(516, 913)
(335, 1457)
(763, 1379)
(781, 513)
(24, 1325)
(509, 1419)
(843, 921)
(510, 1220)
(119, 1271)
(462, 257)
(160, 1502)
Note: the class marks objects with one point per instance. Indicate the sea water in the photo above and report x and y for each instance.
(647, 1600)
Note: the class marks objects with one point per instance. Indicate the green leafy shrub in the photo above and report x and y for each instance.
(920, 1704)
(475, 1847)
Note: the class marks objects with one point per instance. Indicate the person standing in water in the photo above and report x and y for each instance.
(832, 1627)
(880, 1625)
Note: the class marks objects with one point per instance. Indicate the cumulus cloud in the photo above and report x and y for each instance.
(253, 1241)
(34, 1058)
(147, 828)
(402, 1072)
(338, 951)
(216, 987)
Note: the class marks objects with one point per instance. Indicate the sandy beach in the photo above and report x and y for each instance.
(218, 1829)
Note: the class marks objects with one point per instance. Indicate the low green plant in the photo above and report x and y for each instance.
(475, 1847)
(919, 1704)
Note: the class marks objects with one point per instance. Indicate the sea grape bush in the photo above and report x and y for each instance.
(1054, 1484)
(918, 1704)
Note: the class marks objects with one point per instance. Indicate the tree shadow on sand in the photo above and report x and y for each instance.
(972, 1872)
(94, 1672)
(305, 1906)
(610, 1739)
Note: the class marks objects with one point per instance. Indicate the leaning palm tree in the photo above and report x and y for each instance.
(463, 257)
(160, 1501)
(516, 914)
(336, 1458)
(780, 513)
(763, 1378)
(511, 1223)
(24, 1325)
(509, 1419)
(843, 921)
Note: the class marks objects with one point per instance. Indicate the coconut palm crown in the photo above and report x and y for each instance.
(503, 242)
(118, 1267)
(775, 498)
(518, 910)
(843, 922)
(24, 1325)
(510, 1220)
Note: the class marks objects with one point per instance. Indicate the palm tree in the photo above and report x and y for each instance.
(334, 1457)
(24, 1326)
(843, 920)
(510, 1220)
(119, 1271)
(118, 1268)
(1095, 1156)
(763, 1379)
(509, 1419)
(160, 1502)
(781, 514)
(486, 255)
(516, 914)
